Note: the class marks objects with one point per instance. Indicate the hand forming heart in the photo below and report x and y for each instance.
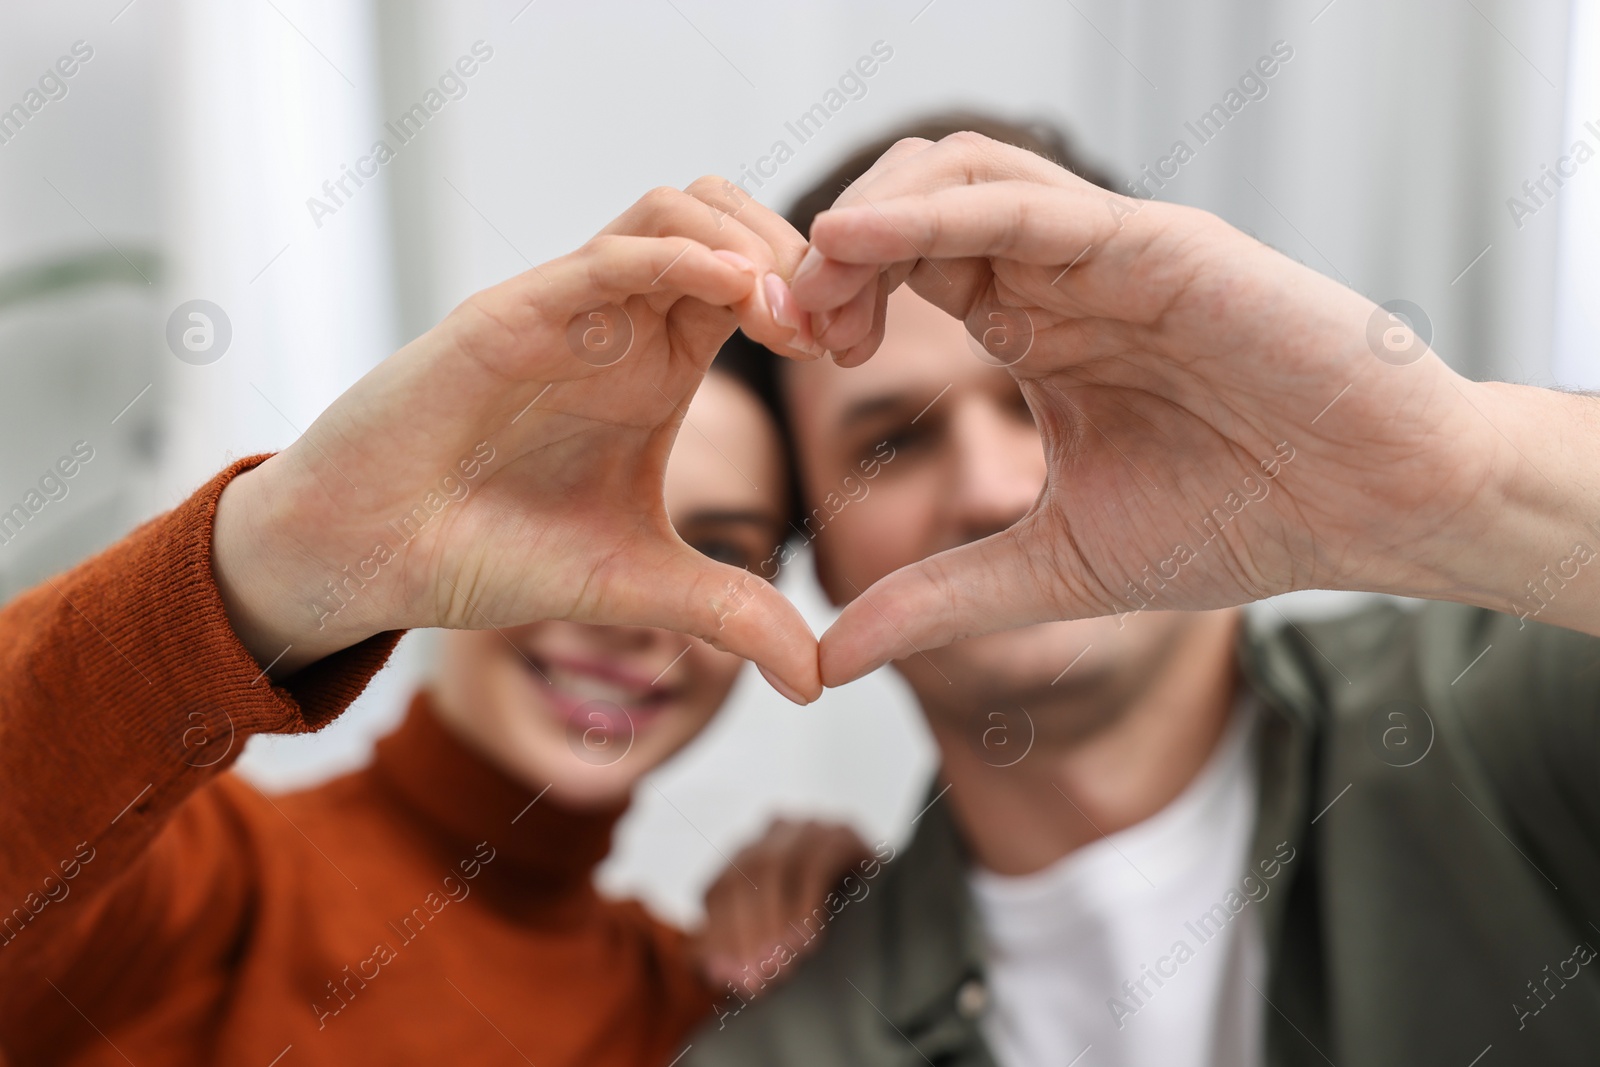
(1216, 427)
(526, 439)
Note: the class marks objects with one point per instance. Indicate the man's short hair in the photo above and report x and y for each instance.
(1040, 138)
(754, 363)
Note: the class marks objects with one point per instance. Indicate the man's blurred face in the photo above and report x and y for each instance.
(925, 448)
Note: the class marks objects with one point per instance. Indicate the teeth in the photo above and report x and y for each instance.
(588, 687)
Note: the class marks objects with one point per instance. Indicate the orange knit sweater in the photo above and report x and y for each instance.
(156, 910)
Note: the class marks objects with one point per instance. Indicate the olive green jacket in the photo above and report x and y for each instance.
(1437, 772)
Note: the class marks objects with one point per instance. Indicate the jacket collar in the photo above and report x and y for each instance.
(932, 956)
(1275, 670)
(1286, 672)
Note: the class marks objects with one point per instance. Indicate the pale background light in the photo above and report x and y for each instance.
(180, 164)
(1577, 331)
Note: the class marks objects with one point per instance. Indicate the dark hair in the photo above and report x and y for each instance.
(756, 366)
(1040, 138)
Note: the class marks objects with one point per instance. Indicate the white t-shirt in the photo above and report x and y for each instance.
(1138, 948)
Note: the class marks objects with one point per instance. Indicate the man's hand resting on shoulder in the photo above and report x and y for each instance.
(554, 399)
(777, 895)
(1220, 423)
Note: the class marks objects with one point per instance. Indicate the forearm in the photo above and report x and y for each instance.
(1538, 557)
(123, 689)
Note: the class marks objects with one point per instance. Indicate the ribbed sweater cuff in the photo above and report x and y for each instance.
(171, 621)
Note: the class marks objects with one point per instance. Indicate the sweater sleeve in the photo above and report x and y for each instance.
(123, 690)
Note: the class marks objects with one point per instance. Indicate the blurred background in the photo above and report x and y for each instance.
(1425, 151)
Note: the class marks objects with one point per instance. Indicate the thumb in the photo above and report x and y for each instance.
(1001, 582)
(677, 588)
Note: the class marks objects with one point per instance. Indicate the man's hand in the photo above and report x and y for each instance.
(768, 900)
(1220, 423)
(507, 466)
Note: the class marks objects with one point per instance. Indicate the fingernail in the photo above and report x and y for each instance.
(822, 321)
(808, 263)
(780, 302)
(806, 336)
(735, 259)
(805, 355)
(781, 686)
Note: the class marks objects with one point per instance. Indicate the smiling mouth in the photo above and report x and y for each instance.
(595, 696)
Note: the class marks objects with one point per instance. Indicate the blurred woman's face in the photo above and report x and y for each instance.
(588, 710)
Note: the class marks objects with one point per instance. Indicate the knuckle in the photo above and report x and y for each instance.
(907, 144)
(714, 186)
(661, 196)
(966, 139)
(604, 245)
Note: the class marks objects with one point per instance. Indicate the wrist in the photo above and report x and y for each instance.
(262, 575)
(1538, 510)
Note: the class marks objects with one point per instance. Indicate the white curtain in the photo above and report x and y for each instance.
(268, 101)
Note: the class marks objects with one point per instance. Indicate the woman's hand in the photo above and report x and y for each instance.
(507, 466)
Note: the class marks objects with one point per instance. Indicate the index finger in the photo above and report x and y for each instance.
(913, 168)
(964, 158)
(858, 278)
(729, 207)
(1020, 221)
